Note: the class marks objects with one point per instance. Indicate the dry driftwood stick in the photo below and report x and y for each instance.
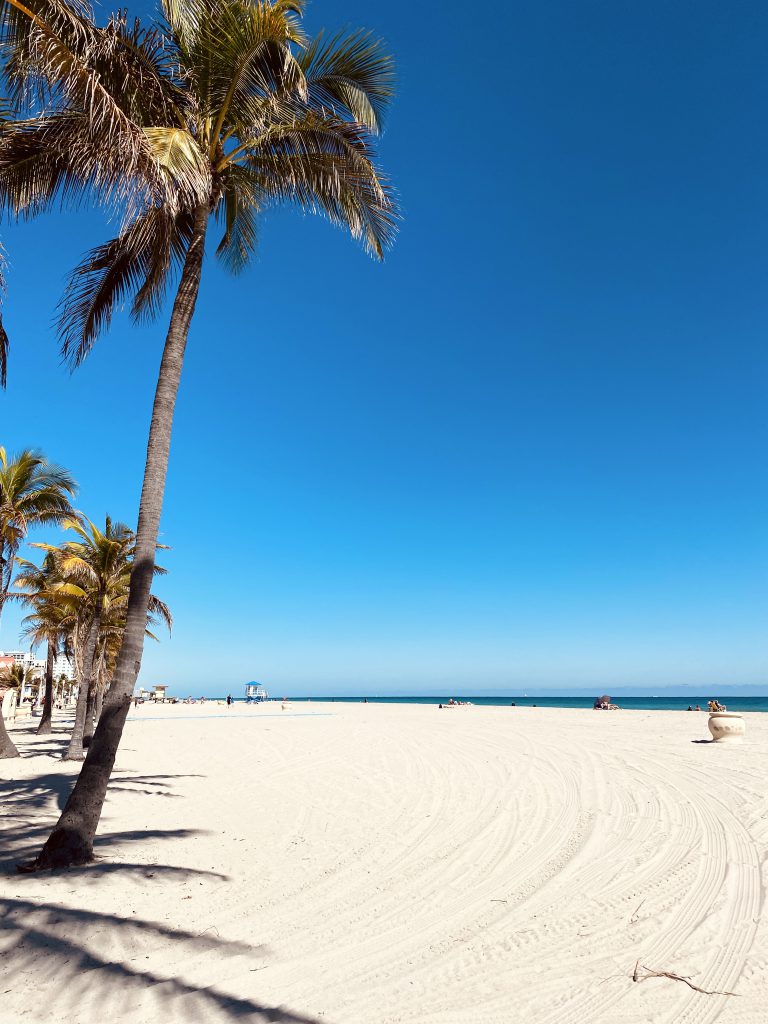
(633, 918)
(675, 977)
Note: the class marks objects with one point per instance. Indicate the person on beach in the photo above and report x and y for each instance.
(229, 699)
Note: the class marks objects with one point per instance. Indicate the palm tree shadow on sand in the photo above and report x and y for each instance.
(26, 801)
(91, 959)
(51, 940)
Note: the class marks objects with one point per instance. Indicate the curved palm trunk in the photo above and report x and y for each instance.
(75, 749)
(90, 711)
(71, 842)
(98, 695)
(44, 726)
(7, 746)
(84, 697)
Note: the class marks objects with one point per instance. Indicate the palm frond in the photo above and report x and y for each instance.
(349, 76)
(177, 152)
(183, 19)
(172, 235)
(325, 165)
(248, 61)
(56, 59)
(240, 206)
(140, 66)
(137, 262)
(159, 610)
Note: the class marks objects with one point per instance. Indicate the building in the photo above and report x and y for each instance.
(33, 666)
(63, 666)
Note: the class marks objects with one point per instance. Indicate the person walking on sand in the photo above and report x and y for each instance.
(229, 699)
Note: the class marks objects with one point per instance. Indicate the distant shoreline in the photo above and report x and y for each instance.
(661, 703)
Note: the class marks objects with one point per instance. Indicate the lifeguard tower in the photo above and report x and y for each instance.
(158, 693)
(255, 692)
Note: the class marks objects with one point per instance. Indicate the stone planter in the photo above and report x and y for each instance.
(726, 727)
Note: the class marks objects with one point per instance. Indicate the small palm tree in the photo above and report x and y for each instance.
(16, 677)
(223, 109)
(63, 684)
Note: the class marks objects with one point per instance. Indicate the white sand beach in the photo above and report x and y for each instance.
(374, 864)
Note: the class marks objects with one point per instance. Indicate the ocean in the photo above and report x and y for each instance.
(666, 703)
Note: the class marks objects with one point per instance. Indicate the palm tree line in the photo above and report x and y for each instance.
(77, 596)
(216, 109)
(33, 492)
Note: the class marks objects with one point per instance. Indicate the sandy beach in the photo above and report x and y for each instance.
(373, 864)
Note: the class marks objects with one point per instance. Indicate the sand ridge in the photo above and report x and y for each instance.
(377, 864)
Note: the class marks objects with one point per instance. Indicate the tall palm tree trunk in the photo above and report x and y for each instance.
(44, 726)
(90, 710)
(75, 749)
(71, 841)
(98, 693)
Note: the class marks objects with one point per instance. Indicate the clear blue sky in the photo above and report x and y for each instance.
(530, 448)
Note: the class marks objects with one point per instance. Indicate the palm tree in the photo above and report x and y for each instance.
(94, 572)
(223, 109)
(16, 677)
(52, 620)
(33, 492)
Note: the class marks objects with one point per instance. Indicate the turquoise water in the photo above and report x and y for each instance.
(666, 703)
